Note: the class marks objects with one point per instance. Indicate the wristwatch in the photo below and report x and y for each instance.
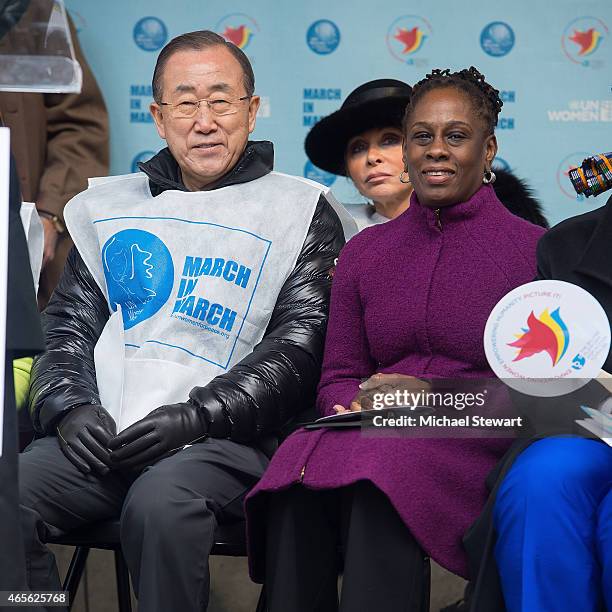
(60, 228)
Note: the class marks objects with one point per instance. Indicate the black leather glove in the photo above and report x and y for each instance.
(163, 431)
(84, 434)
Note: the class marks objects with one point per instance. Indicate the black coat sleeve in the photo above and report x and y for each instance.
(64, 376)
(278, 379)
(543, 259)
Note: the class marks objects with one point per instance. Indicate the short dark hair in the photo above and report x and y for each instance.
(485, 98)
(196, 41)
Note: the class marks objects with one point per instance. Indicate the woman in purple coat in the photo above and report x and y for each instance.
(411, 298)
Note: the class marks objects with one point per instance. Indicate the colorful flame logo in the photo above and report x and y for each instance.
(240, 36)
(583, 39)
(411, 39)
(547, 333)
(587, 40)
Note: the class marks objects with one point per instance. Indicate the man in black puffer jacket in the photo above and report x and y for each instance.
(176, 470)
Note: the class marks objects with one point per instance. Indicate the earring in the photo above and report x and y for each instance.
(404, 178)
(488, 177)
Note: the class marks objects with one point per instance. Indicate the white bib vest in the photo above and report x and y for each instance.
(191, 279)
(33, 229)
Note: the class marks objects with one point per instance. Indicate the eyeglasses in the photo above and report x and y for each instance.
(189, 108)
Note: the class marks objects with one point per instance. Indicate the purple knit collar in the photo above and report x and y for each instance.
(484, 201)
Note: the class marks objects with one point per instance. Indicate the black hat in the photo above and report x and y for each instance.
(377, 103)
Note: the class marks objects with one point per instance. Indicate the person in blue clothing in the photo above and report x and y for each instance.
(545, 540)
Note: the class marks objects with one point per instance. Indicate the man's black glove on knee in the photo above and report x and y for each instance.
(84, 434)
(161, 432)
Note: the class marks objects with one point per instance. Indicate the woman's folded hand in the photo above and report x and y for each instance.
(374, 388)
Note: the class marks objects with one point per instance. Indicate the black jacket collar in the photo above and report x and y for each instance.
(164, 173)
(595, 259)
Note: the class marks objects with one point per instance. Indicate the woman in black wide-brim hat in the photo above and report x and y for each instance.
(363, 140)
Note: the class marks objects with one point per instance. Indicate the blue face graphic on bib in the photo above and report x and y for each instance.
(139, 274)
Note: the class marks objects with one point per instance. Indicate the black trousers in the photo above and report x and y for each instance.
(168, 514)
(311, 534)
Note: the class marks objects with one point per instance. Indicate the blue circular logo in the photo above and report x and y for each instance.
(323, 37)
(316, 174)
(150, 34)
(143, 156)
(497, 39)
(499, 163)
(139, 274)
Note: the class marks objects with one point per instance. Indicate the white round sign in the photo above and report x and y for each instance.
(547, 338)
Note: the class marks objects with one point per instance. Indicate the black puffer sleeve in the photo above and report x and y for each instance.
(64, 376)
(278, 379)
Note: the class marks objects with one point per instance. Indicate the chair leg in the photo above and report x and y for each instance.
(74, 573)
(261, 602)
(123, 582)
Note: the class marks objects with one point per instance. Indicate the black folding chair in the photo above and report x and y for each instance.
(229, 542)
